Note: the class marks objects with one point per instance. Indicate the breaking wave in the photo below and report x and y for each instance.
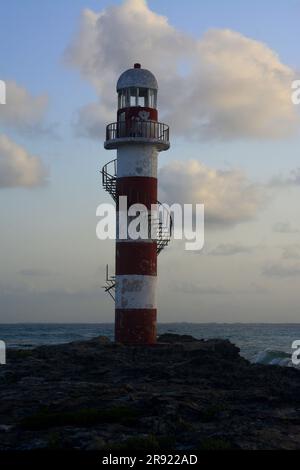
(273, 357)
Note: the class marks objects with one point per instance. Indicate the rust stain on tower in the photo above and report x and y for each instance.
(138, 137)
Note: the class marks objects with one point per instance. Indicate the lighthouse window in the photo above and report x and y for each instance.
(133, 97)
(152, 98)
(143, 97)
(122, 99)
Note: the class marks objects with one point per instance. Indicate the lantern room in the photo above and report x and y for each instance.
(137, 116)
(137, 95)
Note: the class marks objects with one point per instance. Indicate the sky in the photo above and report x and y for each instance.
(225, 71)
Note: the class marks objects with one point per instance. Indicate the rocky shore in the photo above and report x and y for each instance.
(181, 394)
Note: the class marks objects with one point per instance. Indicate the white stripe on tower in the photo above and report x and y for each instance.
(137, 160)
(135, 291)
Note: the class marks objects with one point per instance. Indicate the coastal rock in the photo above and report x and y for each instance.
(180, 394)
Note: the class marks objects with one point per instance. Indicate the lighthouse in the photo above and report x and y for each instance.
(138, 137)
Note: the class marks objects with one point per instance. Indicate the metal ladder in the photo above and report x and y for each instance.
(110, 284)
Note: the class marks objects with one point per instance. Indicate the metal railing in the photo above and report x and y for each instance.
(109, 178)
(138, 129)
(163, 226)
(110, 284)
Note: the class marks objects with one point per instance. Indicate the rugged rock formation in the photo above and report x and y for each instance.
(180, 394)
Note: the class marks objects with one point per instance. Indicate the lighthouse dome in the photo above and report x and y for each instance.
(137, 77)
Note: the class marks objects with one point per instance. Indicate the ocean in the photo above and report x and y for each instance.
(258, 342)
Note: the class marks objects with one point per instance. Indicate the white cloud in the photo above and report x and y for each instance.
(17, 167)
(229, 249)
(91, 118)
(279, 270)
(293, 179)
(227, 195)
(221, 86)
(22, 111)
(291, 252)
(284, 227)
(193, 287)
(33, 272)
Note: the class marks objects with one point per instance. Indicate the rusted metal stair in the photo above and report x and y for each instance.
(109, 178)
(110, 284)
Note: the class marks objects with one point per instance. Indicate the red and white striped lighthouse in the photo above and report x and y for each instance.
(138, 137)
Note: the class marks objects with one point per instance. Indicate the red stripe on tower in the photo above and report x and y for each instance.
(138, 189)
(136, 326)
(136, 258)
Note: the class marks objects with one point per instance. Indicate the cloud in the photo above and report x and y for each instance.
(220, 86)
(291, 252)
(284, 227)
(31, 272)
(230, 249)
(190, 287)
(293, 179)
(278, 270)
(18, 168)
(227, 195)
(22, 111)
(90, 120)
(110, 42)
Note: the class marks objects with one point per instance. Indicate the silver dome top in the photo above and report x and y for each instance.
(137, 77)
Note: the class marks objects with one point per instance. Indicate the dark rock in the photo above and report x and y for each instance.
(175, 338)
(181, 393)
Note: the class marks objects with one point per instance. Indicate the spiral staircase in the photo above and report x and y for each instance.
(161, 224)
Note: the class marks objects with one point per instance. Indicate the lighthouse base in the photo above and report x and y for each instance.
(135, 326)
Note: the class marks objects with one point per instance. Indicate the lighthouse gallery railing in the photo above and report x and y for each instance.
(138, 129)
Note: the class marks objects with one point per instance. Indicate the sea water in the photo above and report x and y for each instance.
(259, 342)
